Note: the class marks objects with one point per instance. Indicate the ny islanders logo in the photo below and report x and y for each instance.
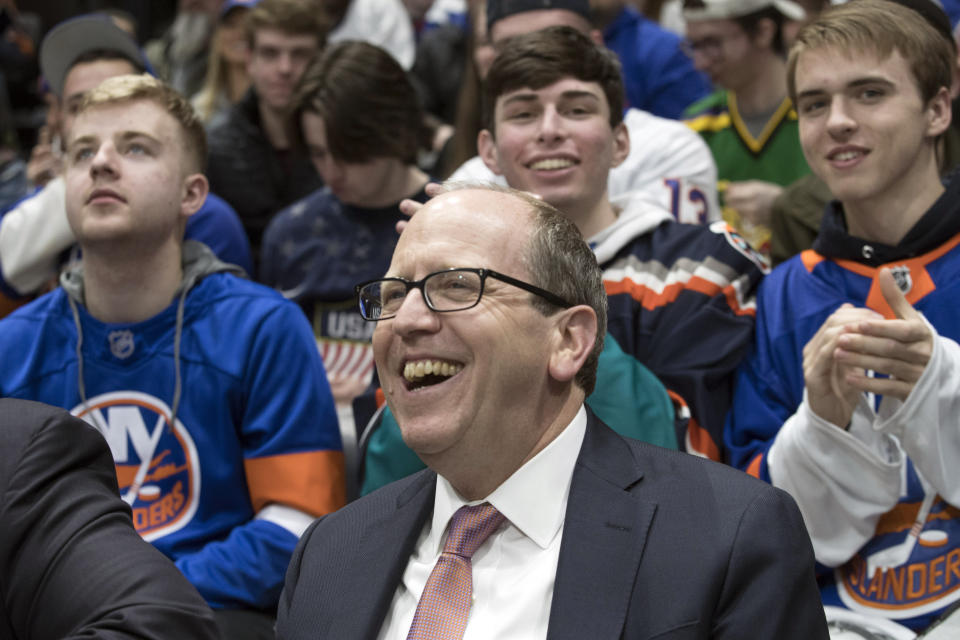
(156, 462)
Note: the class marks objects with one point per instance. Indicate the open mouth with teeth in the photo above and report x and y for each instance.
(425, 373)
(551, 164)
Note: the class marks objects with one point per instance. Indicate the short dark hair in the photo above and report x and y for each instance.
(296, 17)
(367, 103)
(541, 58)
(750, 24)
(96, 55)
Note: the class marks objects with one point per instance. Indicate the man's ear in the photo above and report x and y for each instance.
(574, 337)
(939, 113)
(487, 148)
(621, 144)
(195, 190)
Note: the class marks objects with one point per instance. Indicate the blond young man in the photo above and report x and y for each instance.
(208, 388)
(850, 400)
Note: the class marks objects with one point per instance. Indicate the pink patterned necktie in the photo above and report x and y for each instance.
(445, 604)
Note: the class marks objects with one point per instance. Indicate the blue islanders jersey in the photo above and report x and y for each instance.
(224, 483)
(908, 569)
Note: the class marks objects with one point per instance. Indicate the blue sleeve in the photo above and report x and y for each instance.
(768, 388)
(658, 76)
(245, 570)
(293, 460)
(217, 225)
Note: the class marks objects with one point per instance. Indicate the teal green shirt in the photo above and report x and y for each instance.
(627, 396)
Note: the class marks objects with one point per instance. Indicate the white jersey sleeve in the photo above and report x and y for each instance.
(672, 165)
(384, 23)
(844, 481)
(32, 236)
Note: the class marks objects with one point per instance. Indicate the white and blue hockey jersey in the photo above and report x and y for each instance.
(880, 499)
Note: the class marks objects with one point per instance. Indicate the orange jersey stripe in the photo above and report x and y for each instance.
(753, 468)
(313, 482)
(652, 299)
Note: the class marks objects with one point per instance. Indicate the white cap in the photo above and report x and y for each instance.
(696, 10)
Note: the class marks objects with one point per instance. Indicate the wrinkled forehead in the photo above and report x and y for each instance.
(465, 228)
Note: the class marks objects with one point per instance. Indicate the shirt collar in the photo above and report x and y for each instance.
(533, 499)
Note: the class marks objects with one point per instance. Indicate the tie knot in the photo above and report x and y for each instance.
(470, 527)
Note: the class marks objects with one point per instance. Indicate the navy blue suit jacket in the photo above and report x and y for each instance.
(656, 544)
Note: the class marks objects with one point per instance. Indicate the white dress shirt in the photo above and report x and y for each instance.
(514, 570)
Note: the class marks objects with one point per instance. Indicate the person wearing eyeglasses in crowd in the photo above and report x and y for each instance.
(749, 124)
(489, 324)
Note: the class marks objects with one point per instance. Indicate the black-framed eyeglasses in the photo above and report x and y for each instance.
(442, 291)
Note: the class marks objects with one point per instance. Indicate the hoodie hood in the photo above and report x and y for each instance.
(639, 214)
(940, 223)
(197, 261)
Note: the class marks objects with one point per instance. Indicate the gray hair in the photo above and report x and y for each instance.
(560, 261)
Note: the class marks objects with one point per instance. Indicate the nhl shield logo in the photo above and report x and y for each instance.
(901, 275)
(121, 343)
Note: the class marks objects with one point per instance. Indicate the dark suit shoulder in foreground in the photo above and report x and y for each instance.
(71, 563)
(656, 544)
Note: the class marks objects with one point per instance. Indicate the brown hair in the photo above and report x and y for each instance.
(541, 58)
(296, 17)
(367, 103)
(145, 87)
(881, 27)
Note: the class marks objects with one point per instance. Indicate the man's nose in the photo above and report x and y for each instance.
(104, 161)
(552, 125)
(840, 121)
(414, 315)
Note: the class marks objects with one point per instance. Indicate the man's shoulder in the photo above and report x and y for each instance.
(235, 127)
(231, 291)
(52, 305)
(687, 477)
(374, 506)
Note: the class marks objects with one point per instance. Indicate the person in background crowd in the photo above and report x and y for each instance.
(362, 125)
(226, 80)
(384, 23)
(672, 168)
(750, 123)
(680, 296)
(255, 160)
(76, 56)
(208, 388)
(180, 55)
(659, 77)
(849, 399)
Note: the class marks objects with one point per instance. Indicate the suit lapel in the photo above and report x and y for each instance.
(382, 551)
(604, 533)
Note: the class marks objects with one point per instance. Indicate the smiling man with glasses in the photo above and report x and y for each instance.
(534, 518)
